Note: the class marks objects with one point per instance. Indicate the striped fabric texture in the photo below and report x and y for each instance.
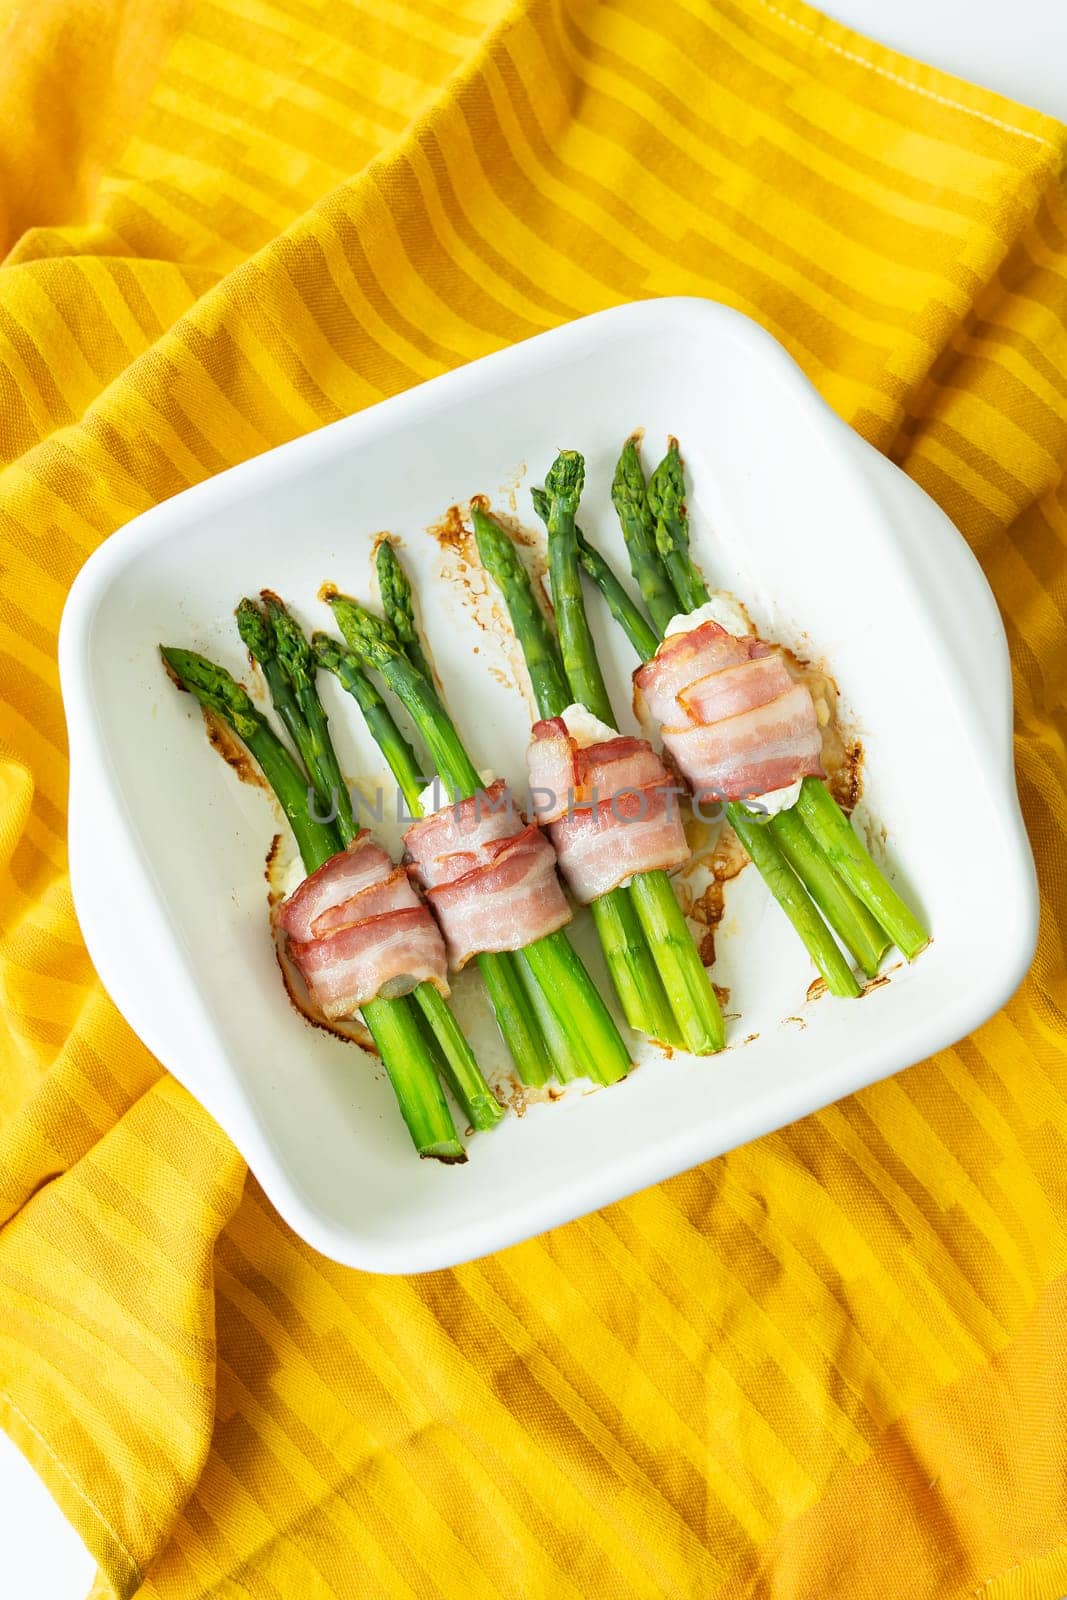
(828, 1365)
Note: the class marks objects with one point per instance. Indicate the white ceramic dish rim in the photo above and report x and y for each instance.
(94, 791)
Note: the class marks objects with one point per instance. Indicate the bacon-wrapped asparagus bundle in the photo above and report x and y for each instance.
(609, 802)
(743, 730)
(358, 934)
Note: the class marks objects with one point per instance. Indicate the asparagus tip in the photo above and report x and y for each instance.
(171, 670)
(566, 476)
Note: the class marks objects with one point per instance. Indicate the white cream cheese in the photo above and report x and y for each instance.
(775, 800)
(723, 608)
(584, 728)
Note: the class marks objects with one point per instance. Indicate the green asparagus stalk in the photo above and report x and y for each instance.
(833, 832)
(563, 487)
(393, 1023)
(399, 607)
(312, 731)
(579, 1009)
(644, 639)
(629, 959)
(229, 700)
(630, 497)
(666, 501)
(403, 762)
(394, 1026)
(543, 660)
(258, 638)
(848, 916)
(794, 900)
(455, 1060)
(567, 1063)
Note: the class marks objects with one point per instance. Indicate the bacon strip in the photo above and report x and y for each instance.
(562, 774)
(337, 880)
(463, 835)
(617, 815)
(736, 689)
(490, 877)
(357, 931)
(734, 720)
(680, 661)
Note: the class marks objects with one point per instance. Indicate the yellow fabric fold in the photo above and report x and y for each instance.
(827, 1364)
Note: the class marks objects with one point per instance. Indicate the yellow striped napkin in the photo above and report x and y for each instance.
(829, 1365)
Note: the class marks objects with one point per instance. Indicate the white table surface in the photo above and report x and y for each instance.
(1019, 49)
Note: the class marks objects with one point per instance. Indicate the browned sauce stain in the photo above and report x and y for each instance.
(271, 871)
(328, 591)
(798, 1020)
(511, 485)
(816, 987)
(842, 757)
(846, 782)
(452, 533)
(723, 861)
(512, 1094)
(226, 743)
(876, 983)
(722, 994)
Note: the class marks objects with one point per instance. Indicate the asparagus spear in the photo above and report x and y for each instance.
(403, 762)
(832, 830)
(625, 947)
(847, 915)
(794, 900)
(258, 638)
(626, 612)
(675, 958)
(630, 498)
(543, 660)
(398, 605)
(563, 487)
(579, 1010)
(320, 758)
(393, 1023)
(666, 501)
